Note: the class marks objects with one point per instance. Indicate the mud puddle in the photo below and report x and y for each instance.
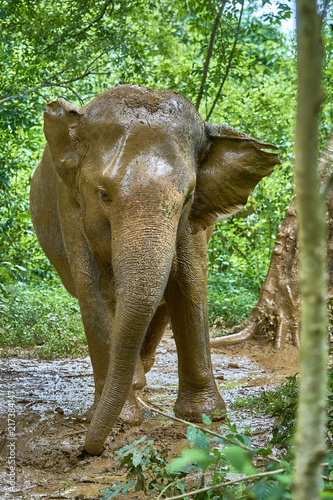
(49, 399)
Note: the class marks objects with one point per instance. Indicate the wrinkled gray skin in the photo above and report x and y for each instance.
(123, 203)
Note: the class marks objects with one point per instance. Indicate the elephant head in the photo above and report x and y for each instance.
(145, 176)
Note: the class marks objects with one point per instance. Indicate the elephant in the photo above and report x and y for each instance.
(123, 203)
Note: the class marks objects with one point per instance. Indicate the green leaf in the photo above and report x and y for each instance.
(326, 494)
(241, 438)
(137, 457)
(239, 460)
(192, 455)
(263, 452)
(198, 438)
(205, 419)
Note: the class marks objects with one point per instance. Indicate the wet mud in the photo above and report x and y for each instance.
(50, 398)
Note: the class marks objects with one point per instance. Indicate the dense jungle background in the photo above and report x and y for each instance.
(236, 61)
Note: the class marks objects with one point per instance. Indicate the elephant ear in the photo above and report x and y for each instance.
(61, 129)
(231, 168)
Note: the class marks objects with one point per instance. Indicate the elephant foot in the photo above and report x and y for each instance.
(190, 405)
(148, 362)
(139, 378)
(131, 414)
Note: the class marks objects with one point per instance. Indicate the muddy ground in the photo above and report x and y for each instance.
(50, 397)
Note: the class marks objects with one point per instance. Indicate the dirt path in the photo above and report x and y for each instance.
(49, 397)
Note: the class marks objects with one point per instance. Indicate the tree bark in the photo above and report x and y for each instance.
(276, 315)
(310, 428)
(282, 293)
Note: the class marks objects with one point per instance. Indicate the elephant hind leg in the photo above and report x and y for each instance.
(131, 414)
(152, 338)
(154, 335)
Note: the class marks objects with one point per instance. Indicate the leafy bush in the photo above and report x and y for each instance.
(214, 458)
(281, 403)
(46, 318)
(147, 470)
(224, 465)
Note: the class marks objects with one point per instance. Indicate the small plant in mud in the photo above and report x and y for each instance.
(146, 471)
(227, 465)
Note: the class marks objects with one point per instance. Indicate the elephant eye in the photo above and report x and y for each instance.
(104, 197)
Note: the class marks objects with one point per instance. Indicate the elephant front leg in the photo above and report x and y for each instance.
(97, 322)
(187, 302)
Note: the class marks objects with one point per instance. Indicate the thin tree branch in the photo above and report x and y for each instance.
(209, 53)
(72, 64)
(324, 10)
(67, 87)
(25, 92)
(154, 408)
(50, 83)
(227, 483)
(229, 64)
(106, 4)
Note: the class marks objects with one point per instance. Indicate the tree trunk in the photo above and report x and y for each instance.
(276, 315)
(311, 414)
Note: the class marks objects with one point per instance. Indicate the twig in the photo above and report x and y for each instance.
(106, 4)
(324, 9)
(229, 64)
(209, 53)
(327, 478)
(232, 441)
(227, 483)
(166, 488)
(35, 436)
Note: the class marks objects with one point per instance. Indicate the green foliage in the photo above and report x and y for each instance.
(218, 457)
(240, 248)
(227, 464)
(22, 258)
(259, 98)
(281, 404)
(77, 49)
(147, 471)
(46, 318)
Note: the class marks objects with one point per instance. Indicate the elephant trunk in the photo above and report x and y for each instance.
(142, 267)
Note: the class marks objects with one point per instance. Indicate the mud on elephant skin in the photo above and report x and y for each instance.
(123, 203)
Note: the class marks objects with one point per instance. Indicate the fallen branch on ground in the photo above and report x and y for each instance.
(155, 408)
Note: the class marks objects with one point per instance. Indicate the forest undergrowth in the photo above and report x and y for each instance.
(228, 466)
